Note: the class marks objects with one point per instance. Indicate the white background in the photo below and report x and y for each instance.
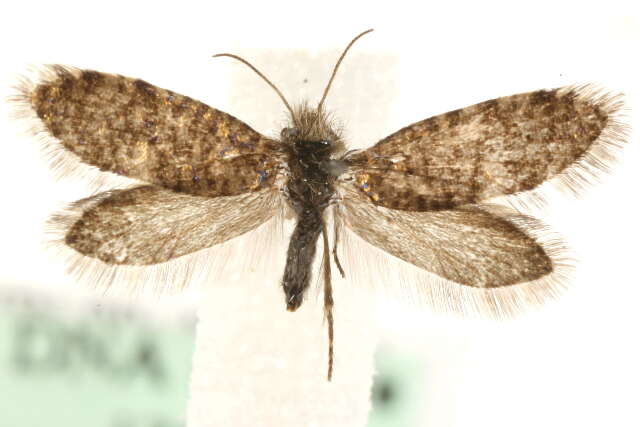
(574, 362)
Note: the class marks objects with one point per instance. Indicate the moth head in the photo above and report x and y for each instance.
(308, 124)
(312, 127)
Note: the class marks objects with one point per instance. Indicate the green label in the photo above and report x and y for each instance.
(109, 367)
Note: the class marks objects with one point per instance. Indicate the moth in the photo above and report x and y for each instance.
(424, 194)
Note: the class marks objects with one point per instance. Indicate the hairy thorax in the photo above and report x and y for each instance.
(314, 151)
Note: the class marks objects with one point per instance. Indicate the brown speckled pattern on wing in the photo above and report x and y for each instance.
(149, 225)
(498, 147)
(132, 128)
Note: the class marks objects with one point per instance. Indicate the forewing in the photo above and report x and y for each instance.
(150, 225)
(131, 128)
(499, 147)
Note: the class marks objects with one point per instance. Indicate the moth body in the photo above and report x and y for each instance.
(187, 177)
(312, 146)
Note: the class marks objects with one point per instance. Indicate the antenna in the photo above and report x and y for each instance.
(245, 62)
(335, 69)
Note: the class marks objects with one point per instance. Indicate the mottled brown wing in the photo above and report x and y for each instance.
(478, 246)
(132, 128)
(151, 225)
(499, 147)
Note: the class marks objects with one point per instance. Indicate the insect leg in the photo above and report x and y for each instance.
(328, 297)
(336, 234)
